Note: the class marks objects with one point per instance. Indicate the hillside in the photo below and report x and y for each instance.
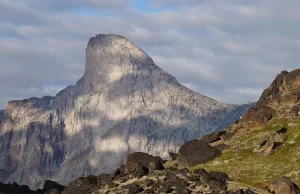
(264, 144)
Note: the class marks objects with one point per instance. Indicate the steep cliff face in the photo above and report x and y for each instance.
(123, 103)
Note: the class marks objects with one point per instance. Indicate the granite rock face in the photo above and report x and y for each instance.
(123, 103)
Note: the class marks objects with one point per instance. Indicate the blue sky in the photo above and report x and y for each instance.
(230, 51)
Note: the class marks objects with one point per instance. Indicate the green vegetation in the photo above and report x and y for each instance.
(250, 168)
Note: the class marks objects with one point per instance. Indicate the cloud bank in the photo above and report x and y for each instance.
(228, 50)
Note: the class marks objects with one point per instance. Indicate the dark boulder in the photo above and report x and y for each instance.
(16, 189)
(52, 185)
(212, 137)
(24, 189)
(284, 185)
(140, 163)
(196, 152)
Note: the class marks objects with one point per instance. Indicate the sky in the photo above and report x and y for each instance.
(229, 50)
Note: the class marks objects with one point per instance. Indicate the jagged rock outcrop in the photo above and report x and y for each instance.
(280, 100)
(122, 104)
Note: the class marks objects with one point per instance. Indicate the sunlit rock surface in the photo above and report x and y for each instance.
(123, 103)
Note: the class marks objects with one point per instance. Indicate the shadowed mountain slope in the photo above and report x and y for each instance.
(123, 103)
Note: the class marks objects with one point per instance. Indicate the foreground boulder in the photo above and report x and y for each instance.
(196, 152)
(273, 143)
(284, 186)
(139, 164)
(53, 186)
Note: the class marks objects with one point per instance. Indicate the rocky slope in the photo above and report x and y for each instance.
(264, 144)
(142, 173)
(123, 103)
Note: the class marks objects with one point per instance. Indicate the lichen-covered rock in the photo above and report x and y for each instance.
(196, 152)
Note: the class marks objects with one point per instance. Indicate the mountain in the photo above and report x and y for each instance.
(122, 104)
(264, 144)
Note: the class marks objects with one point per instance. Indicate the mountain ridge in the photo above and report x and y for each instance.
(122, 104)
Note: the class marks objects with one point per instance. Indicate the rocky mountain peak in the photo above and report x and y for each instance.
(284, 83)
(123, 103)
(109, 58)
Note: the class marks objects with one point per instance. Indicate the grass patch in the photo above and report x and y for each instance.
(257, 170)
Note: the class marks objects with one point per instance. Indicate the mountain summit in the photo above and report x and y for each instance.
(110, 58)
(122, 104)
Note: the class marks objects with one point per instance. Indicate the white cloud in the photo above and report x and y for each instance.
(228, 50)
